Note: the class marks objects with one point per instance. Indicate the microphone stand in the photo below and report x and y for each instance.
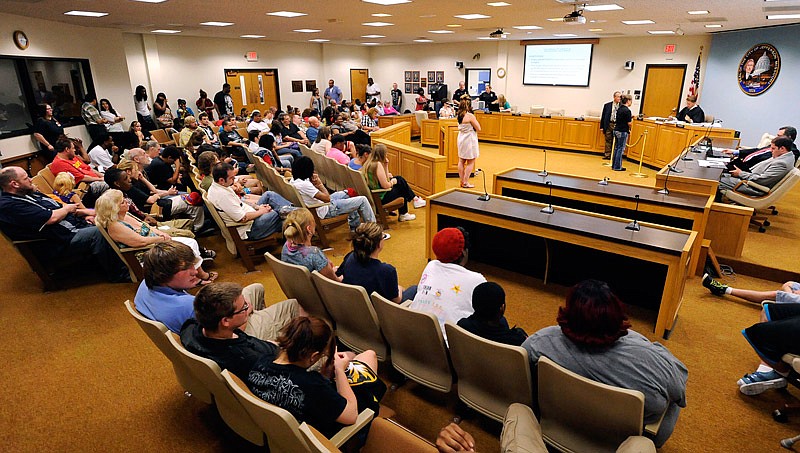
(665, 191)
(485, 196)
(544, 173)
(604, 181)
(634, 226)
(549, 208)
(674, 168)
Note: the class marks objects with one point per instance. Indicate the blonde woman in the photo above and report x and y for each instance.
(378, 176)
(468, 128)
(64, 189)
(128, 231)
(298, 229)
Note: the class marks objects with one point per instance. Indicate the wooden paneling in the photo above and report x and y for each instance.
(727, 228)
(448, 146)
(397, 132)
(669, 139)
(384, 121)
(490, 126)
(430, 130)
(424, 170)
(546, 131)
(580, 135)
(516, 129)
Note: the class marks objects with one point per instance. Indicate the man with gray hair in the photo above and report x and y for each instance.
(608, 119)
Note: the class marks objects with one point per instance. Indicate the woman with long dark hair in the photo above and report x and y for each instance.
(46, 131)
(468, 128)
(164, 117)
(143, 110)
(378, 177)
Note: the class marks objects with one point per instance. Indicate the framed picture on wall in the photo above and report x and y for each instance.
(439, 76)
(408, 76)
(423, 83)
(415, 76)
(414, 87)
(431, 76)
(311, 85)
(297, 86)
(408, 88)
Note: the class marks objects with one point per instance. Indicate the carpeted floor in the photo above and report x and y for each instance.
(79, 375)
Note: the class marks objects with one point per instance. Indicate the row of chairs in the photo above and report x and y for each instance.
(491, 376)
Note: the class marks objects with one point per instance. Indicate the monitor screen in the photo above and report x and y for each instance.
(557, 64)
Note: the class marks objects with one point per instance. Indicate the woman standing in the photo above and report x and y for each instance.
(468, 128)
(164, 117)
(46, 131)
(378, 177)
(204, 104)
(316, 101)
(143, 110)
(422, 100)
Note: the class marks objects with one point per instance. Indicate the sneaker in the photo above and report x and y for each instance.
(716, 288)
(619, 169)
(419, 203)
(207, 253)
(386, 236)
(406, 217)
(759, 382)
(285, 210)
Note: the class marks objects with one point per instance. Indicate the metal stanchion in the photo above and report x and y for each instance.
(639, 173)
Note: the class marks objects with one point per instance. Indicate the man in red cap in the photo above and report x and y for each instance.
(445, 288)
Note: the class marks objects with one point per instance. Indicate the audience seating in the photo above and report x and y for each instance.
(500, 377)
(41, 183)
(420, 115)
(388, 436)
(160, 135)
(295, 282)
(128, 255)
(208, 372)
(242, 130)
(282, 430)
(578, 414)
(46, 270)
(352, 311)
(766, 201)
(324, 166)
(416, 342)
(235, 244)
(155, 331)
(176, 139)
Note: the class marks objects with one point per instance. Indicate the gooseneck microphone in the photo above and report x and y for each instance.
(485, 196)
(665, 191)
(634, 226)
(544, 173)
(549, 208)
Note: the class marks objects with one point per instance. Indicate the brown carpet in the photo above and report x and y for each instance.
(80, 375)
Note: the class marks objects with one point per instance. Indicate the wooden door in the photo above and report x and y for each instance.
(253, 89)
(663, 85)
(358, 84)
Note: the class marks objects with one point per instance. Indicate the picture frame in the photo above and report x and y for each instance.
(311, 85)
(415, 76)
(439, 76)
(408, 76)
(423, 83)
(408, 88)
(431, 76)
(297, 86)
(414, 88)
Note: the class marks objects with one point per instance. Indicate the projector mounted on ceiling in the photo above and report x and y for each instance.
(497, 34)
(576, 16)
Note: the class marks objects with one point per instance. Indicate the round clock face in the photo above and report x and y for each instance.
(501, 72)
(21, 40)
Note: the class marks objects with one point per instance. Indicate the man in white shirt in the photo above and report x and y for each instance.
(373, 90)
(262, 218)
(104, 155)
(445, 288)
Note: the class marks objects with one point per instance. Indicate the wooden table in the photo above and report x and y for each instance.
(505, 229)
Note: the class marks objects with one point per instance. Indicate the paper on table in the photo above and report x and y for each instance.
(711, 163)
(724, 160)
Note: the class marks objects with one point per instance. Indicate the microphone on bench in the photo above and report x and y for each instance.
(634, 226)
(665, 191)
(485, 196)
(549, 208)
(544, 173)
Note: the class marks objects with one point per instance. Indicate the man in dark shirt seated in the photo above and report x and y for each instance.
(489, 302)
(290, 132)
(692, 113)
(489, 99)
(25, 213)
(160, 171)
(220, 310)
(235, 145)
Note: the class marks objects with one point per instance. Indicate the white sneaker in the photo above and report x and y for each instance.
(419, 203)
(406, 217)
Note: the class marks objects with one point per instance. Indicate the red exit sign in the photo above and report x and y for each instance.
(669, 48)
(251, 56)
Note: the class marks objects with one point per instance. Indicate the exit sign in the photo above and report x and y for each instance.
(251, 56)
(669, 48)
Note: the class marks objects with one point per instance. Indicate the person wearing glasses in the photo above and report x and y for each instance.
(223, 316)
(169, 270)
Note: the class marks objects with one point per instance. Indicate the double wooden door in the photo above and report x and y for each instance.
(253, 89)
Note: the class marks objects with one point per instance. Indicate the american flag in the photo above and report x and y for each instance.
(694, 87)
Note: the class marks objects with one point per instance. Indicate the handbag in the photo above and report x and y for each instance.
(166, 119)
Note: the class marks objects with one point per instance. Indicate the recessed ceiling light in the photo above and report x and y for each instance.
(454, 25)
(527, 27)
(370, 43)
(440, 32)
(165, 31)
(661, 32)
(638, 22)
(556, 19)
(427, 16)
(150, 1)
(252, 36)
(486, 38)
(372, 36)
(85, 13)
(387, 2)
(565, 35)
(610, 7)
(423, 40)
(377, 24)
(381, 15)
(714, 26)
(307, 30)
(286, 14)
(498, 4)
(319, 40)
(217, 24)
(472, 16)
(783, 16)
(595, 29)
(698, 12)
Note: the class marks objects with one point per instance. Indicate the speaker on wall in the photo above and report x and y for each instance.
(460, 64)
(629, 65)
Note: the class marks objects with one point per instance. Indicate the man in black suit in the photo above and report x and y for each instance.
(746, 158)
(607, 121)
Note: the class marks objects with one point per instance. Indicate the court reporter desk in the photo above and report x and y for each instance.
(646, 268)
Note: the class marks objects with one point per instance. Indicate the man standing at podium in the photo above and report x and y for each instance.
(607, 122)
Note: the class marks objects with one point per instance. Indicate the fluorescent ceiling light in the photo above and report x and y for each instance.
(381, 15)
(595, 29)
(252, 36)
(453, 25)
(610, 7)
(638, 22)
(472, 16)
(165, 31)
(319, 40)
(423, 40)
(307, 30)
(370, 43)
(440, 32)
(556, 19)
(85, 13)
(565, 35)
(377, 24)
(698, 12)
(527, 27)
(498, 4)
(286, 14)
(387, 2)
(661, 32)
(783, 16)
(150, 1)
(486, 38)
(372, 36)
(714, 26)
(217, 24)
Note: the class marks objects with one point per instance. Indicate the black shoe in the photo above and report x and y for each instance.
(716, 288)
(606, 157)
(619, 169)
(207, 254)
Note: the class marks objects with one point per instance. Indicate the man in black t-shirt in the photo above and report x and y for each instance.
(224, 102)
(460, 91)
(290, 132)
(489, 302)
(490, 99)
(161, 173)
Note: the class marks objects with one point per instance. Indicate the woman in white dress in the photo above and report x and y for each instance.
(468, 128)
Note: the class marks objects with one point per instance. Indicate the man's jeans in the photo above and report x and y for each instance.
(269, 223)
(340, 204)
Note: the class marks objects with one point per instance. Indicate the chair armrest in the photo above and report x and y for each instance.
(652, 428)
(637, 444)
(317, 205)
(235, 224)
(28, 241)
(379, 190)
(135, 249)
(756, 186)
(347, 432)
